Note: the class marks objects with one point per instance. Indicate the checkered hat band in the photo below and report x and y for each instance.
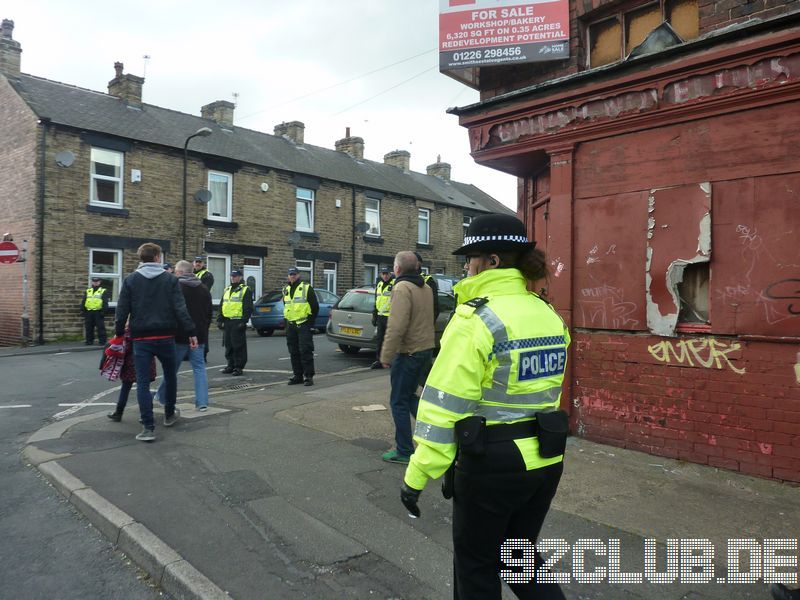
(492, 238)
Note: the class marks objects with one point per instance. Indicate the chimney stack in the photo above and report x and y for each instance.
(439, 169)
(220, 112)
(127, 87)
(293, 130)
(398, 158)
(10, 50)
(354, 146)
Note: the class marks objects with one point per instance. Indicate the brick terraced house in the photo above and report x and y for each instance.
(659, 169)
(86, 177)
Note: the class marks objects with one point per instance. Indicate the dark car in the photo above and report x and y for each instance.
(268, 311)
(351, 325)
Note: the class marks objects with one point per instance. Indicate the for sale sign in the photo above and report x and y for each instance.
(480, 33)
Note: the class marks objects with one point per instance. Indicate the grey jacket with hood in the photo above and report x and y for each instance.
(153, 300)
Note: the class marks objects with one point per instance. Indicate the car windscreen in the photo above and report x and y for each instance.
(357, 302)
(270, 297)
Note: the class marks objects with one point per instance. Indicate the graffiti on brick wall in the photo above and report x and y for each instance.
(604, 306)
(781, 300)
(708, 353)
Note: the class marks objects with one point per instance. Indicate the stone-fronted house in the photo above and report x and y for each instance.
(659, 169)
(86, 177)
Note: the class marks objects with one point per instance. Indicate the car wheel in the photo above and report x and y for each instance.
(265, 332)
(349, 349)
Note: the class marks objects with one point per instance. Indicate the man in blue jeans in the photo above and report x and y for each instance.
(407, 349)
(152, 302)
(200, 307)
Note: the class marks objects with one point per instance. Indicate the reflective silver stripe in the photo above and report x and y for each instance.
(433, 433)
(498, 330)
(455, 404)
(504, 414)
(493, 323)
(545, 397)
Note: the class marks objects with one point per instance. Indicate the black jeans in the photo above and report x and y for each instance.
(92, 319)
(380, 334)
(497, 499)
(235, 340)
(300, 342)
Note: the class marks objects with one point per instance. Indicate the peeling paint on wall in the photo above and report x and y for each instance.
(678, 235)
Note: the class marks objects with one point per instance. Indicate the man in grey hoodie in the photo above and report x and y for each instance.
(153, 301)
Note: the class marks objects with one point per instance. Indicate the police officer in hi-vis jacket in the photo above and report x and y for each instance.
(234, 313)
(93, 306)
(489, 417)
(380, 315)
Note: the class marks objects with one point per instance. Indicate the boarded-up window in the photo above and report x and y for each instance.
(684, 18)
(693, 293)
(639, 23)
(606, 40)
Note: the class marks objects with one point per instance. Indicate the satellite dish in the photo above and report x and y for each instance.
(294, 238)
(65, 158)
(202, 196)
(264, 187)
(362, 227)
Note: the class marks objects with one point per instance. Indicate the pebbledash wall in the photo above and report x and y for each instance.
(665, 192)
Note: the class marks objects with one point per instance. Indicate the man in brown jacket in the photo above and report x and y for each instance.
(407, 348)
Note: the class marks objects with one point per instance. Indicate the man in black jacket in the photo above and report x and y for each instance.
(153, 301)
(234, 313)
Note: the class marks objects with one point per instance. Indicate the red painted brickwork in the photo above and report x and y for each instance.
(734, 404)
(713, 15)
(18, 161)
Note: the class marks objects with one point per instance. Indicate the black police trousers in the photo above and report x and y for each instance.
(235, 340)
(495, 500)
(380, 333)
(300, 342)
(92, 319)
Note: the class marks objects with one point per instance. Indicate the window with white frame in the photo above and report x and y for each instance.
(304, 210)
(106, 178)
(107, 265)
(372, 215)
(467, 223)
(220, 267)
(370, 273)
(329, 275)
(306, 268)
(221, 187)
(424, 270)
(423, 226)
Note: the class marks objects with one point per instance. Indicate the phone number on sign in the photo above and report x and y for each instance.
(487, 53)
(682, 560)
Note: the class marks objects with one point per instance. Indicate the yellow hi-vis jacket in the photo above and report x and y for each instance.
(232, 301)
(383, 297)
(94, 298)
(503, 356)
(296, 308)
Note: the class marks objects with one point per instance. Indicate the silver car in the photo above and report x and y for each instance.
(350, 325)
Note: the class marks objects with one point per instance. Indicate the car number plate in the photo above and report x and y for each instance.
(264, 308)
(350, 330)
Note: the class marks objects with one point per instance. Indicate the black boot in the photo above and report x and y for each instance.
(115, 416)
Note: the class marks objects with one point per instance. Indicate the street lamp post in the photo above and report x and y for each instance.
(202, 132)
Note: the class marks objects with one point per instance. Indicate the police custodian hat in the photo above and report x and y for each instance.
(236, 273)
(495, 233)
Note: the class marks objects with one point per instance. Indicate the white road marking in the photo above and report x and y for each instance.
(17, 406)
(92, 404)
(73, 409)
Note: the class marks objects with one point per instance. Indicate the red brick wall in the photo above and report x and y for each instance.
(714, 401)
(17, 210)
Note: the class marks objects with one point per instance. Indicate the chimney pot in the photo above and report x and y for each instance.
(293, 130)
(347, 132)
(220, 112)
(439, 169)
(10, 50)
(126, 87)
(398, 158)
(354, 146)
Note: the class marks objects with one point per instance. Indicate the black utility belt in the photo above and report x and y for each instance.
(550, 427)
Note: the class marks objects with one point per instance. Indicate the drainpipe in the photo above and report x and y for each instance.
(353, 229)
(43, 121)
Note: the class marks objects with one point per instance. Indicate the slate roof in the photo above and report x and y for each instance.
(94, 111)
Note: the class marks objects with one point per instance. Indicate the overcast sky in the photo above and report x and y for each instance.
(371, 65)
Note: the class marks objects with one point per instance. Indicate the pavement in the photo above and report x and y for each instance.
(279, 492)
